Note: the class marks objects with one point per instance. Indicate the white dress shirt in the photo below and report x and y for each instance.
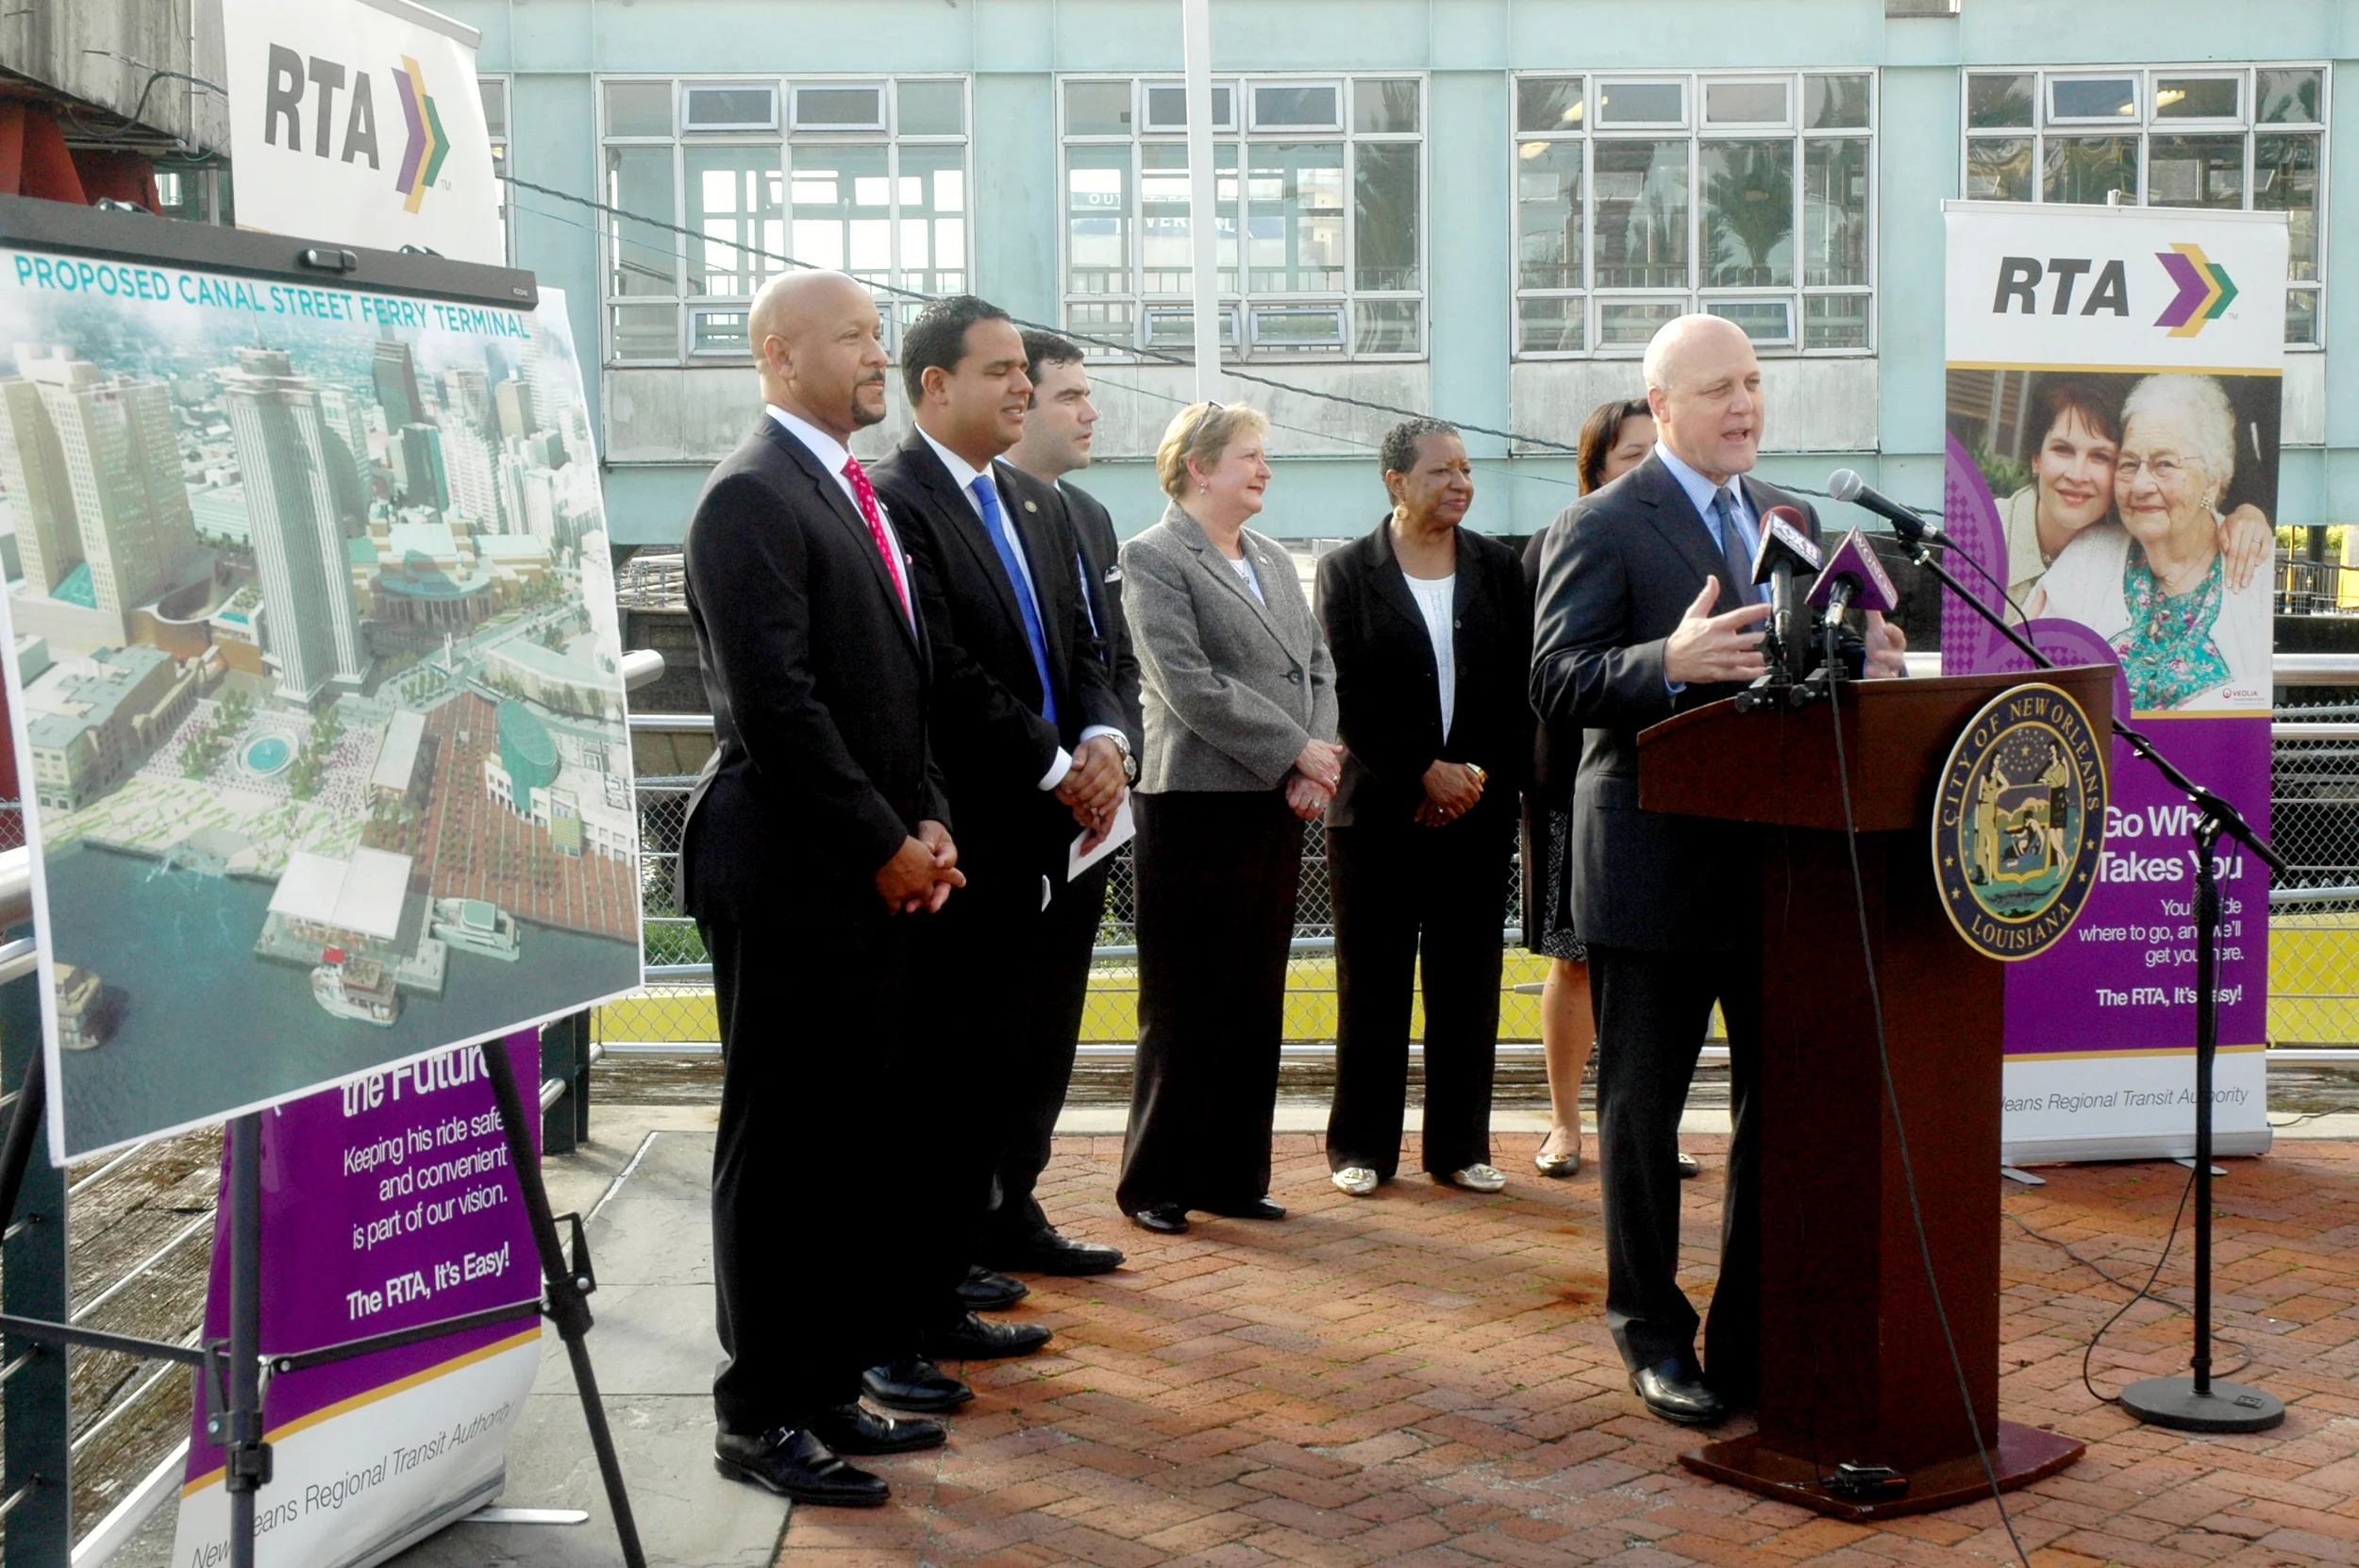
(964, 475)
(832, 456)
(1437, 602)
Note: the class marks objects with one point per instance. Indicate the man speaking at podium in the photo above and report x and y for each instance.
(1646, 608)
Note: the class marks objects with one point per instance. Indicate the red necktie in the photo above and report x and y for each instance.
(866, 494)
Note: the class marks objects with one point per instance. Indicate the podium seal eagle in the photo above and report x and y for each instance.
(2017, 822)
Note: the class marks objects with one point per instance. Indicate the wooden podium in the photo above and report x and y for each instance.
(1853, 1368)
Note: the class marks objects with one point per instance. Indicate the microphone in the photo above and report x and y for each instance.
(1846, 485)
(1784, 546)
(1853, 577)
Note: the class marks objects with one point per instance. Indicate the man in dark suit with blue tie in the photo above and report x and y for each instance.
(1646, 608)
(1029, 736)
(817, 839)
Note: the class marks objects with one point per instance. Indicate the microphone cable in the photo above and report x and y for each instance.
(1892, 1100)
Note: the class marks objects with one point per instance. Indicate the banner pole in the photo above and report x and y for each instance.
(246, 1468)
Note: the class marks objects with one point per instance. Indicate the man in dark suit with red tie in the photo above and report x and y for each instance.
(1031, 740)
(817, 841)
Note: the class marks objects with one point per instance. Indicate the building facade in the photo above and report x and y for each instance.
(1478, 209)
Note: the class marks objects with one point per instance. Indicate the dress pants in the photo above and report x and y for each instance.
(805, 1238)
(1652, 1011)
(981, 954)
(1216, 884)
(1399, 892)
(1037, 1077)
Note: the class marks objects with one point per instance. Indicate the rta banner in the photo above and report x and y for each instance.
(362, 124)
(2113, 392)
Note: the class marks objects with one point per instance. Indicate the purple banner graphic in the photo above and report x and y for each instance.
(2124, 978)
(388, 1202)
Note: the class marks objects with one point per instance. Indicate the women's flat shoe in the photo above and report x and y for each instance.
(1557, 1167)
(1688, 1166)
(1479, 1178)
(1358, 1181)
(1165, 1219)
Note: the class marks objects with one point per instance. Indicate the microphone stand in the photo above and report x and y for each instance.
(2200, 1402)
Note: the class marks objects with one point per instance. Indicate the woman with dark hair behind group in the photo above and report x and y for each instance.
(1431, 629)
(1614, 439)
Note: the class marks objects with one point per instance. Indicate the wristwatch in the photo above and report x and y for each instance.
(1129, 763)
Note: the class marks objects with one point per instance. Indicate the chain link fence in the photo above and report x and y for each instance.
(2314, 915)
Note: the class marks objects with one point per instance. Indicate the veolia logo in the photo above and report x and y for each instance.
(2204, 289)
(289, 75)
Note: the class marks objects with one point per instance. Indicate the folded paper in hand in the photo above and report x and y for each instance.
(1079, 858)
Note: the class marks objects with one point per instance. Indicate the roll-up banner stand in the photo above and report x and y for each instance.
(2112, 414)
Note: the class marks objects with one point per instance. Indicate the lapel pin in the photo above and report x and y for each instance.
(1031, 506)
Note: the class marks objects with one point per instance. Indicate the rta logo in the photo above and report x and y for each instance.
(2204, 288)
(282, 112)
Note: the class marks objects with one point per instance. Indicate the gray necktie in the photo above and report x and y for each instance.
(1740, 561)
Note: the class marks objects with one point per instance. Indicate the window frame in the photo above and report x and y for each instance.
(689, 307)
(1695, 130)
(2150, 124)
(1241, 307)
(501, 142)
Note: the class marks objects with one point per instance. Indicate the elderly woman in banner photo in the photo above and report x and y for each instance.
(2156, 585)
(2075, 439)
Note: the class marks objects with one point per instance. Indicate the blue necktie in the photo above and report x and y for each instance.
(987, 496)
(1732, 546)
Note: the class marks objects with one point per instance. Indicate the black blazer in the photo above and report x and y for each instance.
(1617, 572)
(988, 732)
(1101, 579)
(819, 691)
(1387, 692)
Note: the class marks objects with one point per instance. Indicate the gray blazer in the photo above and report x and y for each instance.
(1232, 687)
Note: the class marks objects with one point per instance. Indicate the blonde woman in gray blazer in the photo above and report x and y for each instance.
(1239, 704)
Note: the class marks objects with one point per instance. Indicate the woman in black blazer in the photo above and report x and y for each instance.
(1431, 629)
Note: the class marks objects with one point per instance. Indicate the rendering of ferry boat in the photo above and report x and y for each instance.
(477, 926)
(356, 988)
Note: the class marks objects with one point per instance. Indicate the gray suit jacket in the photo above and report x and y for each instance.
(1232, 687)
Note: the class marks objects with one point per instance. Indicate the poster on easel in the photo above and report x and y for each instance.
(314, 674)
(2114, 403)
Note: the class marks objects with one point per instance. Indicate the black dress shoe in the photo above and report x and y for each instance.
(795, 1462)
(1168, 1219)
(1259, 1209)
(985, 1291)
(1049, 1253)
(1671, 1394)
(971, 1339)
(1687, 1166)
(856, 1429)
(914, 1383)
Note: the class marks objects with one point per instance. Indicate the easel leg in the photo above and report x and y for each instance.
(567, 1308)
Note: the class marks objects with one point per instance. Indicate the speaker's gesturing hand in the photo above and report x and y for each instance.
(1713, 649)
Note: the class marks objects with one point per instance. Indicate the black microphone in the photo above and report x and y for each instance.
(1784, 546)
(1846, 485)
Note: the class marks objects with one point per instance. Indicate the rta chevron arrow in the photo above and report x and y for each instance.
(2205, 290)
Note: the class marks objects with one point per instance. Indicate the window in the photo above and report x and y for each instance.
(1320, 180)
(1640, 199)
(494, 94)
(869, 176)
(2232, 140)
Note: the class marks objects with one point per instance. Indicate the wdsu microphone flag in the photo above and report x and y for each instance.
(2113, 411)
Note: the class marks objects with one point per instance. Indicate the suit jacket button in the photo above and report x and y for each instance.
(1294, 676)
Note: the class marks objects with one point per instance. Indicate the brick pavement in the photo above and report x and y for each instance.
(1426, 1379)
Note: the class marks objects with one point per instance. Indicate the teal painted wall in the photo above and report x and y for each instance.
(554, 49)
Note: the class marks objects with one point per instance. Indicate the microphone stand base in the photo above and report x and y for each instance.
(2173, 1402)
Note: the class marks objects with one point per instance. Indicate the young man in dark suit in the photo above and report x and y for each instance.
(1057, 426)
(1030, 741)
(817, 840)
(1646, 608)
